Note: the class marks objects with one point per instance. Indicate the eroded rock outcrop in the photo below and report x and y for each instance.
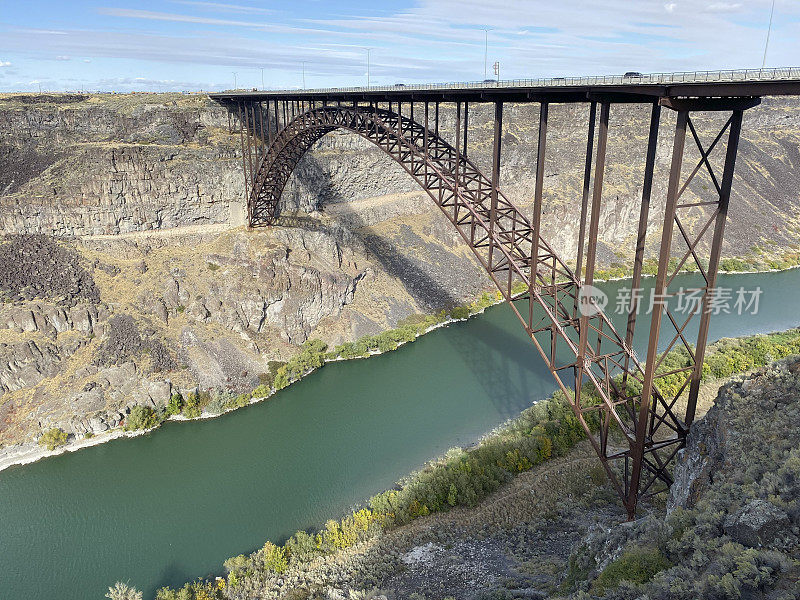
(177, 313)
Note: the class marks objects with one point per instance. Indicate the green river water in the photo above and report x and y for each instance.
(170, 506)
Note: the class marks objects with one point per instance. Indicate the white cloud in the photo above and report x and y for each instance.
(134, 13)
(423, 40)
(5, 63)
(724, 6)
(63, 57)
(87, 60)
(224, 7)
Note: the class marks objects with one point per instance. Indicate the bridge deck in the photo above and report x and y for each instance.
(614, 88)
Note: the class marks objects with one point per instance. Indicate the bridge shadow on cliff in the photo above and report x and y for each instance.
(510, 370)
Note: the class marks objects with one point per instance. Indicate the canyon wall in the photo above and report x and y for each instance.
(142, 194)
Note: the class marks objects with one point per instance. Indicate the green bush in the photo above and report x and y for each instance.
(311, 356)
(268, 378)
(239, 401)
(174, 405)
(301, 547)
(53, 438)
(141, 417)
(732, 264)
(637, 565)
(460, 312)
(192, 412)
(197, 590)
(194, 404)
(274, 558)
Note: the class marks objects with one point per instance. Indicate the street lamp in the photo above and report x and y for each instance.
(262, 78)
(234, 80)
(486, 53)
(769, 29)
(368, 50)
(304, 74)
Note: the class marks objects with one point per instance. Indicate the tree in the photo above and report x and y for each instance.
(53, 438)
(122, 591)
(141, 417)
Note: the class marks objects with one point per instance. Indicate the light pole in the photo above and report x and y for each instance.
(262, 78)
(234, 80)
(769, 29)
(304, 74)
(486, 54)
(368, 50)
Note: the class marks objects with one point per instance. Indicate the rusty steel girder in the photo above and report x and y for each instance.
(593, 364)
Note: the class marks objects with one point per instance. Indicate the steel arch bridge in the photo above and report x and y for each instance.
(601, 374)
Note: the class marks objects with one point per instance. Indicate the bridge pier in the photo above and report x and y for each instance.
(618, 397)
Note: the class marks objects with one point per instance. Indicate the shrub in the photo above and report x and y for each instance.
(219, 403)
(192, 412)
(141, 417)
(268, 378)
(53, 438)
(732, 264)
(637, 565)
(122, 591)
(174, 405)
(301, 547)
(460, 312)
(274, 558)
(194, 403)
(198, 590)
(239, 401)
(312, 356)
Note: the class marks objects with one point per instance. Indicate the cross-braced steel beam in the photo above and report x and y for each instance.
(632, 423)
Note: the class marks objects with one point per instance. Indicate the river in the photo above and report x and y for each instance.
(170, 506)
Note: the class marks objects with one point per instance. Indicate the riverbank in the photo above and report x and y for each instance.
(461, 478)
(313, 355)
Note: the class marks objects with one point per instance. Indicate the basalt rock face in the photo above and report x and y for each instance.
(104, 165)
(83, 165)
(195, 310)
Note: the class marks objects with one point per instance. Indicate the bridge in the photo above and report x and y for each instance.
(550, 294)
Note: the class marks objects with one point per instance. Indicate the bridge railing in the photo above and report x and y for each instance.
(732, 75)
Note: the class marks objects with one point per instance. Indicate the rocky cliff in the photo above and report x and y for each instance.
(105, 164)
(141, 194)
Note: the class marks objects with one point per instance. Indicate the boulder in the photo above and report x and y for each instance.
(757, 523)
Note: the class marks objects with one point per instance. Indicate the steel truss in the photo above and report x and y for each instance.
(593, 364)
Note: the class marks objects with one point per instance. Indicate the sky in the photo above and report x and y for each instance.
(192, 45)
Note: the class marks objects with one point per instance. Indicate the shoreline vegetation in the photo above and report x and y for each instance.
(463, 477)
(315, 354)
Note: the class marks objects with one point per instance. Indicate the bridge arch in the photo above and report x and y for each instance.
(499, 234)
(583, 348)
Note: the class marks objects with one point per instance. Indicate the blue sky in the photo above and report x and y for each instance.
(198, 45)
